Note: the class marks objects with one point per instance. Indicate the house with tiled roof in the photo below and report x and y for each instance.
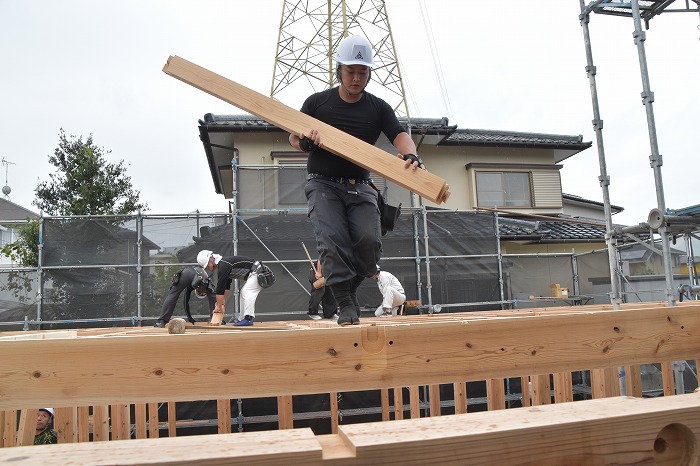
(516, 173)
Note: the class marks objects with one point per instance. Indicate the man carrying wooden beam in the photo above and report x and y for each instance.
(256, 276)
(342, 204)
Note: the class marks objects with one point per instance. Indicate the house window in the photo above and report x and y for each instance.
(503, 189)
(291, 179)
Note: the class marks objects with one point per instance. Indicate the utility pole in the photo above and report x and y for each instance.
(308, 35)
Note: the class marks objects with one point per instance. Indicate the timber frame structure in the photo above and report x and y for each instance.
(126, 369)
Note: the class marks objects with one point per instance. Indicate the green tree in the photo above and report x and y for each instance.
(25, 250)
(85, 183)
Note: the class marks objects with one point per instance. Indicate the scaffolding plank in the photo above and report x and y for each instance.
(372, 158)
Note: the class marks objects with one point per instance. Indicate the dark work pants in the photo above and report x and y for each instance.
(186, 278)
(324, 297)
(345, 218)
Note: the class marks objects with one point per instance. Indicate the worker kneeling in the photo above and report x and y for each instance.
(393, 295)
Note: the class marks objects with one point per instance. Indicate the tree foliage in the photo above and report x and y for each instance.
(85, 183)
(25, 250)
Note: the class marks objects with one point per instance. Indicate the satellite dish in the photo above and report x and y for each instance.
(6, 190)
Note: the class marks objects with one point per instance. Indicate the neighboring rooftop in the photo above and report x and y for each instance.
(439, 128)
(11, 211)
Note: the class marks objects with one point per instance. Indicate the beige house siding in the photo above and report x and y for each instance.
(546, 187)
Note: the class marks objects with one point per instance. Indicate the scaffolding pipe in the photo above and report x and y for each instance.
(139, 267)
(429, 283)
(500, 259)
(574, 272)
(39, 269)
(604, 179)
(690, 259)
(234, 225)
(655, 158)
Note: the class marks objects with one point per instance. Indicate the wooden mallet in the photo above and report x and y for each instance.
(321, 282)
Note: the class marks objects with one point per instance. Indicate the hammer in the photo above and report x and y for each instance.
(320, 283)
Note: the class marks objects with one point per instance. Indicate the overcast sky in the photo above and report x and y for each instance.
(95, 67)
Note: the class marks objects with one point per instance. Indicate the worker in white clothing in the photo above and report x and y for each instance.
(393, 295)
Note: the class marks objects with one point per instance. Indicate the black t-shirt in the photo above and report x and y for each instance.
(231, 267)
(365, 119)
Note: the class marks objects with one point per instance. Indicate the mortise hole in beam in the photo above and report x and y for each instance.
(675, 445)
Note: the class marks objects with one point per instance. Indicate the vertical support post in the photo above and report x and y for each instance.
(434, 394)
(285, 413)
(429, 284)
(153, 421)
(223, 415)
(655, 158)
(414, 396)
(603, 178)
(416, 251)
(499, 256)
(40, 270)
(574, 273)
(334, 412)
(693, 280)
(139, 267)
(234, 225)
(398, 403)
(172, 419)
(384, 395)
(460, 396)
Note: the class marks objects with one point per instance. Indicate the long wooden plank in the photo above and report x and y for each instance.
(293, 121)
(593, 432)
(273, 448)
(131, 368)
(621, 430)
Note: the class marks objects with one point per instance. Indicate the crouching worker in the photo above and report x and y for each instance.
(393, 295)
(254, 274)
(188, 280)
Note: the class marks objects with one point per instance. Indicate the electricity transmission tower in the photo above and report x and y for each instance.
(309, 32)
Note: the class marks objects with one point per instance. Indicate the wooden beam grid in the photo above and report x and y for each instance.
(542, 349)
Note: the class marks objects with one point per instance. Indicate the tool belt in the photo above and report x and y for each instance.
(315, 176)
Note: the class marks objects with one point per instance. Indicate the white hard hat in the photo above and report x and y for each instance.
(48, 410)
(203, 257)
(354, 50)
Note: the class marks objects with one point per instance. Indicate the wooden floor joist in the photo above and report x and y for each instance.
(372, 158)
(385, 353)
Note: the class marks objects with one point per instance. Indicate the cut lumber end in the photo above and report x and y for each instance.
(167, 63)
(177, 326)
(216, 318)
(444, 194)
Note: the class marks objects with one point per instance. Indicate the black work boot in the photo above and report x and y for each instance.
(348, 313)
(354, 285)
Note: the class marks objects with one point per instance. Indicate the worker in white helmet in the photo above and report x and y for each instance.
(342, 204)
(254, 274)
(44, 433)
